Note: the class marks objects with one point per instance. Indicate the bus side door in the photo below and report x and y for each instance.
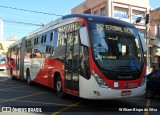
(72, 63)
(18, 63)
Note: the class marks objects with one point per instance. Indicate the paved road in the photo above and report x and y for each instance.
(20, 97)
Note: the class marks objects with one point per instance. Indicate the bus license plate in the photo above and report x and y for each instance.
(125, 93)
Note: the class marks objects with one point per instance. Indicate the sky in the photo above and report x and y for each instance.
(154, 3)
(58, 7)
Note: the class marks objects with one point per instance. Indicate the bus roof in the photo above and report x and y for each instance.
(85, 16)
(98, 18)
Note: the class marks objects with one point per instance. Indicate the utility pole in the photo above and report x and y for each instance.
(147, 22)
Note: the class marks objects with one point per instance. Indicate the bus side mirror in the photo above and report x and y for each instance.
(84, 37)
(144, 46)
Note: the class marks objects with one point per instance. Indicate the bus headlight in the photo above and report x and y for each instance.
(99, 80)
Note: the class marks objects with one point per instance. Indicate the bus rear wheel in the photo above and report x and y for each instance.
(29, 82)
(11, 74)
(59, 87)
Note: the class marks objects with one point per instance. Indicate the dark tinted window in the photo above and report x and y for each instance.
(45, 37)
(42, 39)
(51, 36)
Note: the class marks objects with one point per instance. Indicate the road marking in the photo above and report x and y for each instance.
(47, 103)
(23, 97)
(68, 107)
(142, 98)
(147, 106)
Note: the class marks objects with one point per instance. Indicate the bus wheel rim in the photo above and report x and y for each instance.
(58, 85)
(28, 80)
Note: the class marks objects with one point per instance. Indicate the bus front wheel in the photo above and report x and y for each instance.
(59, 87)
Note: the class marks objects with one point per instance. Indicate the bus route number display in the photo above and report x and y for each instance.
(113, 28)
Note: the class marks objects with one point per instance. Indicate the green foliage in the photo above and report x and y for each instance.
(4, 53)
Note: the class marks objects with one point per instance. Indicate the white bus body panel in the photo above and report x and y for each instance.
(34, 65)
(87, 88)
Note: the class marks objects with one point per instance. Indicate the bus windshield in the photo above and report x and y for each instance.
(116, 47)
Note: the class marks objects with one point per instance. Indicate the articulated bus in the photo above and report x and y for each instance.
(89, 56)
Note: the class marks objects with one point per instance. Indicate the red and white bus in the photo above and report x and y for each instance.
(89, 56)
(2, 62)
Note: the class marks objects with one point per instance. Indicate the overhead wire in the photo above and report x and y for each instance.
(22, 15)
(9, 31)
(25, 23)
(30, 11)
(18, 30)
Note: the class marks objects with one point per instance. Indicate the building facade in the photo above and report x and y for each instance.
(154, 35)
(127, 10)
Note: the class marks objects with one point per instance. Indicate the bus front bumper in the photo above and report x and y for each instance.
(89, 89)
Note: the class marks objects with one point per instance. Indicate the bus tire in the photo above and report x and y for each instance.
(29, 82)
(59, 87)
(11, 74)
